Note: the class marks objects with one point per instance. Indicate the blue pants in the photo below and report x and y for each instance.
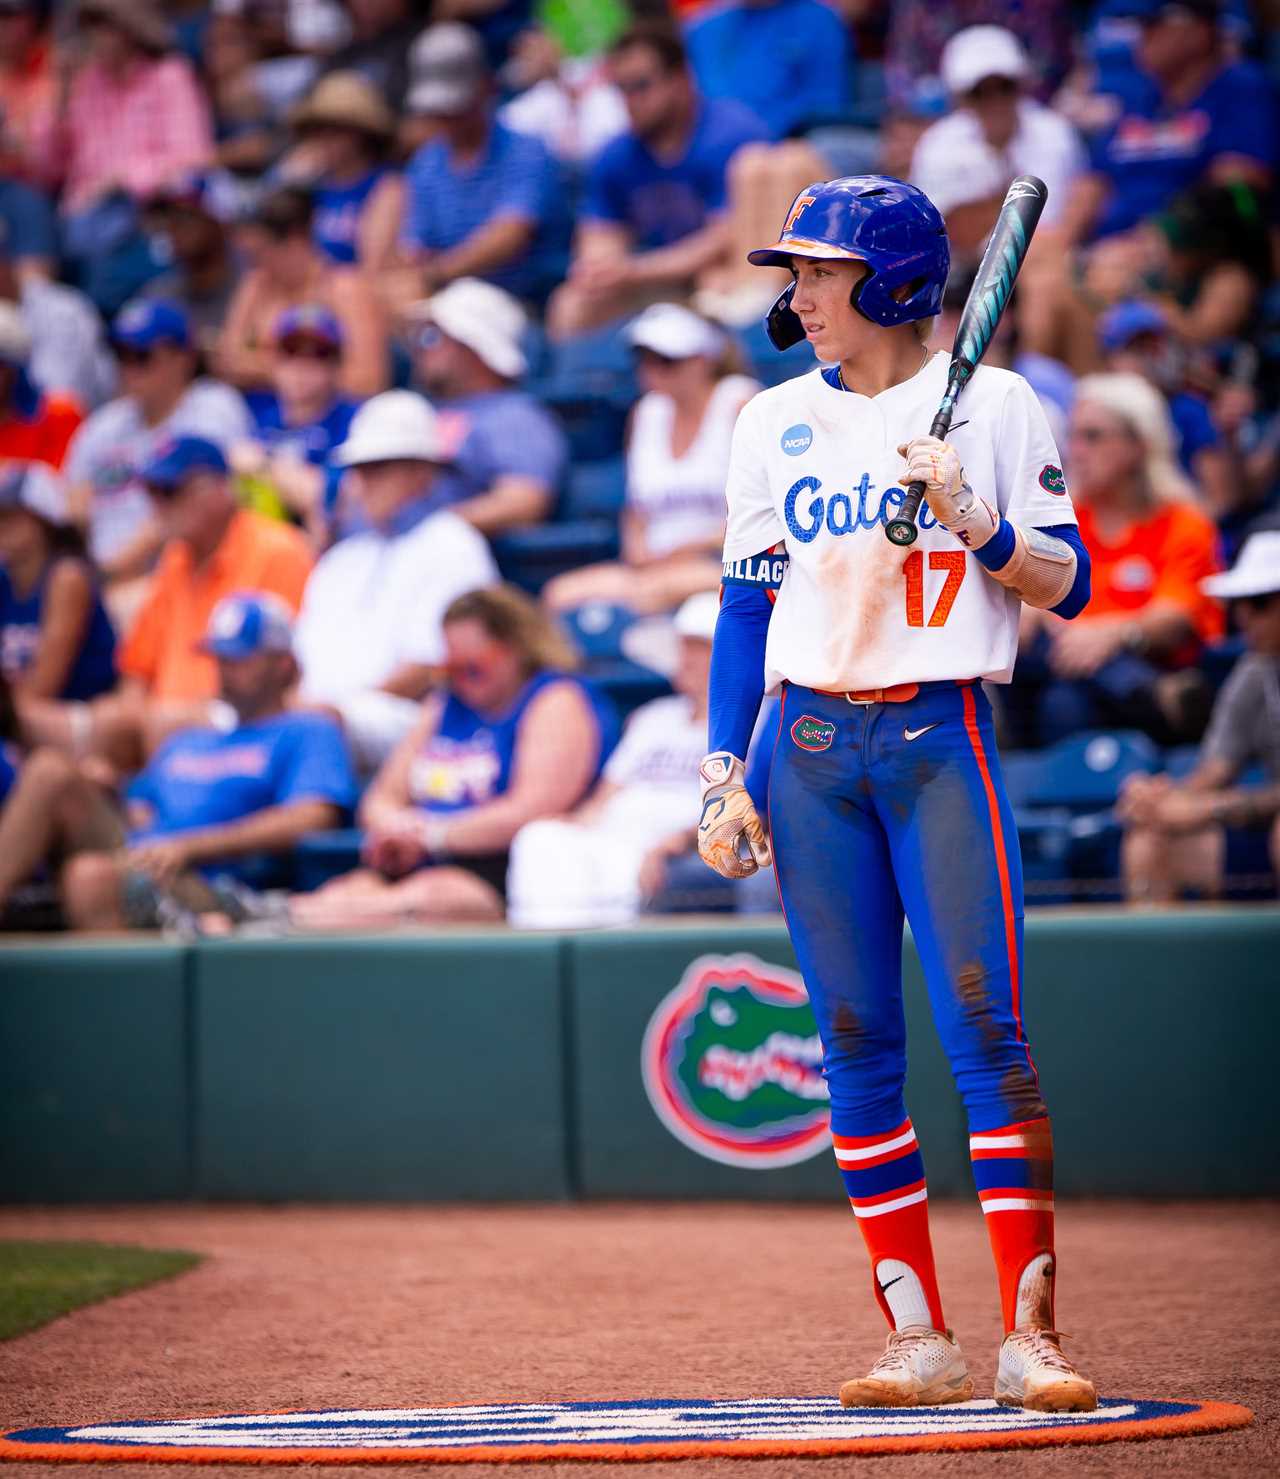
(884, 808)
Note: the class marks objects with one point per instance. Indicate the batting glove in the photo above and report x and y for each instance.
(730, 835)
(952, 501)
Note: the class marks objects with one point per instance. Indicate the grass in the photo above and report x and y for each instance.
(40, 1281)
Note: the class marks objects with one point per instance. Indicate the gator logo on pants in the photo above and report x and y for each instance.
(813, 734)
(732, 1064)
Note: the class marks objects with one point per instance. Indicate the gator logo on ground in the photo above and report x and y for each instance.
(732, 1064)
(1052, 479)
(813, 734)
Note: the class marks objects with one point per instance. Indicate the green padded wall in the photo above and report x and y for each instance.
(94, 1088)
(416, 1068)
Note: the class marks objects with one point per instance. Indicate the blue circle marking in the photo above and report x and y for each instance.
(797, 439)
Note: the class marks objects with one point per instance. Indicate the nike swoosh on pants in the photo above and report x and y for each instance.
(914, 734)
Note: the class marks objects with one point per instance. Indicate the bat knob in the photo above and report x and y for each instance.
(901, 531)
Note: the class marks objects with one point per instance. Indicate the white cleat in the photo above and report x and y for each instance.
(919, 1368)
(1033, 1373)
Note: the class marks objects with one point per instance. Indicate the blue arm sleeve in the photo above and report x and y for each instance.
(994, 555)
(737, 668)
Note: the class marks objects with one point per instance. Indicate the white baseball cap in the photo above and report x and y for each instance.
(978, 52)
(697, 616)
(447, 70)
(396, 425)
(489, 321)
(1255, 573)
(675, 333)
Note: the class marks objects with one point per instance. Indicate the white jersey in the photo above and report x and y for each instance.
(816, 469)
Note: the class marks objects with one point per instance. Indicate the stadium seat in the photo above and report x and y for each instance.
(596, 630)
(627, 684)
(1085, 771)
(594, 490)
(531, 557)
(763, 360)
(325, 855)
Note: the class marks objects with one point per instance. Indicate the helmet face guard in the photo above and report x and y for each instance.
(890, 225)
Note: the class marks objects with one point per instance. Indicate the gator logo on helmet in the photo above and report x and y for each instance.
(732, 1064)
(1052, 479)
(813, 734)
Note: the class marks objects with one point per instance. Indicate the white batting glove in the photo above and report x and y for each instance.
(730, 835)
(952, 501)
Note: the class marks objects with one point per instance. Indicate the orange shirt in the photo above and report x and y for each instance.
(256, 554)
(42, 437)
(1160, 558)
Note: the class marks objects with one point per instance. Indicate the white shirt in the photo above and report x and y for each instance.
(656, 768)
(375, 601)
(817, 469)
(954, 164)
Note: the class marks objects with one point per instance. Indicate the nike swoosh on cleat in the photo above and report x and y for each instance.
(892, 1282)
(914, 734)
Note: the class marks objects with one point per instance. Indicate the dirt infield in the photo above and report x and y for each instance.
(313, 1307)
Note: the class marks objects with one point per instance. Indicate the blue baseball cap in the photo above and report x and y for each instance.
(1127, 320)
(175, 460)
(151, 321)
(246, 623)
(311, 321)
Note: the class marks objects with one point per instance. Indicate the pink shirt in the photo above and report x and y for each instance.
(140, 132)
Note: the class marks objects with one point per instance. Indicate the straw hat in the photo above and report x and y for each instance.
(143, 20)
(345, 100)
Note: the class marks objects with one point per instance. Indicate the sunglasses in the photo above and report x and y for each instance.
(631, 87)
(993, 87)
(1258, 604)
(309, 349)
(133, 357)
(646, 356)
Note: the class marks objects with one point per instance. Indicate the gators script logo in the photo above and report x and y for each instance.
(732, 1064)
(813, 734)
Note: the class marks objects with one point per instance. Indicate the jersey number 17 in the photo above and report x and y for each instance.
(954, 563)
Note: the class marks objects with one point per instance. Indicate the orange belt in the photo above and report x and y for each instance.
(899, 693)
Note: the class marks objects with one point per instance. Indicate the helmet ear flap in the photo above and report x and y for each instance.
(782, 324)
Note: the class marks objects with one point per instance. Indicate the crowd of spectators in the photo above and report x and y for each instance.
(367, 375)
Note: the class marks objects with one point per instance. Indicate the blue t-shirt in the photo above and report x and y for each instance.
(1155, 151)
(788, 63)
(1195, 426)
(335, 224)
(204, 777)
(500, 433)
(30, 227)
(94, 669)
(470, 757)
(661, 202)
(312, 441)
(516, 176)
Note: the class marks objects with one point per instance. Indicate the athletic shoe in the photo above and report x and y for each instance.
(919, 1368)
(1033, 1373)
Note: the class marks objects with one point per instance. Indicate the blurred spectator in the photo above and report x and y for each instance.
(29, 229)
(677, 461)
(67, 353)
(1178, 832)
(507, 452)
(597, 865)
(787, 61)
(289, 271)
(346, 130)
(382, 36)
(568, 103)
(369, 635)
(965, 161)
(482, 201)
(1119, 663)
(655, 215)
(202, 276)
(161, 397)
(213, 803)
(299, 422)
(34, 426)
(1203, 116)
(56, 640)
(28, 86)
(512, 737)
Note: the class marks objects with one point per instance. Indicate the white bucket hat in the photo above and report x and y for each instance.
(978, 52)
(697, 616)
(489, 321)
(675, 333)
(398, 425)
(1255, 573)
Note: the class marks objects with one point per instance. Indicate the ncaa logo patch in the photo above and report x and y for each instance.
(813, 734)
(1052, 479)
(532, 1432)
(796, 439)
(732, 1064)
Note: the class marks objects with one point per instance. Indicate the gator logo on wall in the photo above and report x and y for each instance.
(813, 734)
(733, 1066)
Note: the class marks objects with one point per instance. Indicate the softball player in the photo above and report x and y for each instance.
(885, 795)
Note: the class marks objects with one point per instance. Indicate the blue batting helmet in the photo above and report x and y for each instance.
(886, 223)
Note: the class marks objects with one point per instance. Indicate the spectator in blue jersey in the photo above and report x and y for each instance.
(655, 218)
(299, 422)
(512, 736)
(30, 228)
(507, 453)
(345, 131)
(1203, 116)
(228, 801)
(56, 640)
(786, 60)
(482, 201)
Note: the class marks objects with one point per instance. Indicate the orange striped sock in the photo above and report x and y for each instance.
(1013, 1170)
